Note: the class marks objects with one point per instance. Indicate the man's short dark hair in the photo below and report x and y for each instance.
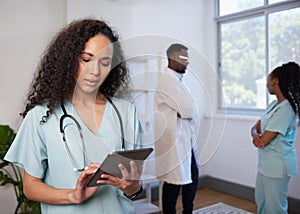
(175, 48)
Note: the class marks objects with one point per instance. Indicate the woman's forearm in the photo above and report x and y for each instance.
(36, 190)
(268, 136)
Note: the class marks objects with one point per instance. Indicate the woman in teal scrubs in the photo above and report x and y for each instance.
(274, 135)
(83, 75)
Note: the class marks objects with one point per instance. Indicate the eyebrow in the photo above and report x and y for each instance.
(90, 54)
(106, 58)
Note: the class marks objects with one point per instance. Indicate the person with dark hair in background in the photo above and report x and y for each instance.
(274, 135)
(69, 126)
(176, 164)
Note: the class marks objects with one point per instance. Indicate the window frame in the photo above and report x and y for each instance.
(264, 11)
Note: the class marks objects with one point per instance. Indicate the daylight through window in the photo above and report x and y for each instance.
(254, 37)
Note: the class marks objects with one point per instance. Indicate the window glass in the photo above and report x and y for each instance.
(284, 37)
(254, 39)
(232, 6)
(243, 63)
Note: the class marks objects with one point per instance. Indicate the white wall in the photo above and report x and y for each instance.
(147, 27)
(115, 13)
(26, 28)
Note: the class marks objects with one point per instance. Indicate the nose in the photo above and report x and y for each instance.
(95, 68)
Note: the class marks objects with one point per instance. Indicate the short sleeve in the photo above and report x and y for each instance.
(28, 149)
(280, 119)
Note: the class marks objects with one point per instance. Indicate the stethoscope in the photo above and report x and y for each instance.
(62, 131)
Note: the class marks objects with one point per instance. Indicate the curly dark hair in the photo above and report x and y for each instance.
(289, 83)
(55, 79)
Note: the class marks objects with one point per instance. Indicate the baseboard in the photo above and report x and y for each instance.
(231, 188)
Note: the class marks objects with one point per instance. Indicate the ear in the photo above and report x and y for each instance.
(274, 81)
(172, 56)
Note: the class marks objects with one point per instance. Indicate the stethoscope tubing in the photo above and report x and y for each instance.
(61, 127)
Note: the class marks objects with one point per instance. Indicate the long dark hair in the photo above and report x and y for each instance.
(289, 83)
(55, 76)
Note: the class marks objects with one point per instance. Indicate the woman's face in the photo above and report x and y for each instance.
(271, 84)
(95, 64)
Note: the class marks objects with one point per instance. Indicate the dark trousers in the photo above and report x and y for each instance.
(170, 193)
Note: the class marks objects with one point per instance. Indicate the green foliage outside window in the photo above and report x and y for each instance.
(243, 53)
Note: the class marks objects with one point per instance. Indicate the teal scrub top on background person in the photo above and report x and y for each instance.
(40, 150)
(278, 159)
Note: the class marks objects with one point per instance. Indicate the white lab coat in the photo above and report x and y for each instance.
(173, 134)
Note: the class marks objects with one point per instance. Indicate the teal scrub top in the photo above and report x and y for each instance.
(40, 150)
(278, 159)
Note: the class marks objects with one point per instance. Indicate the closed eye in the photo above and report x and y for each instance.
(86, 54)
(105, 62)
(85, 60)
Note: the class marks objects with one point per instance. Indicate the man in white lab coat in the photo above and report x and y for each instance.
(174, 109)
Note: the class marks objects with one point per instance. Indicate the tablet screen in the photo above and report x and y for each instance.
(111, 162)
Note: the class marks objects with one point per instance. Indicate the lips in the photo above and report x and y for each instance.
(91, 82)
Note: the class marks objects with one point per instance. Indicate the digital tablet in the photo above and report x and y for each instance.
(112, 160)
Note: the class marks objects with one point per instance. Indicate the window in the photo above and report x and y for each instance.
(254, 37)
